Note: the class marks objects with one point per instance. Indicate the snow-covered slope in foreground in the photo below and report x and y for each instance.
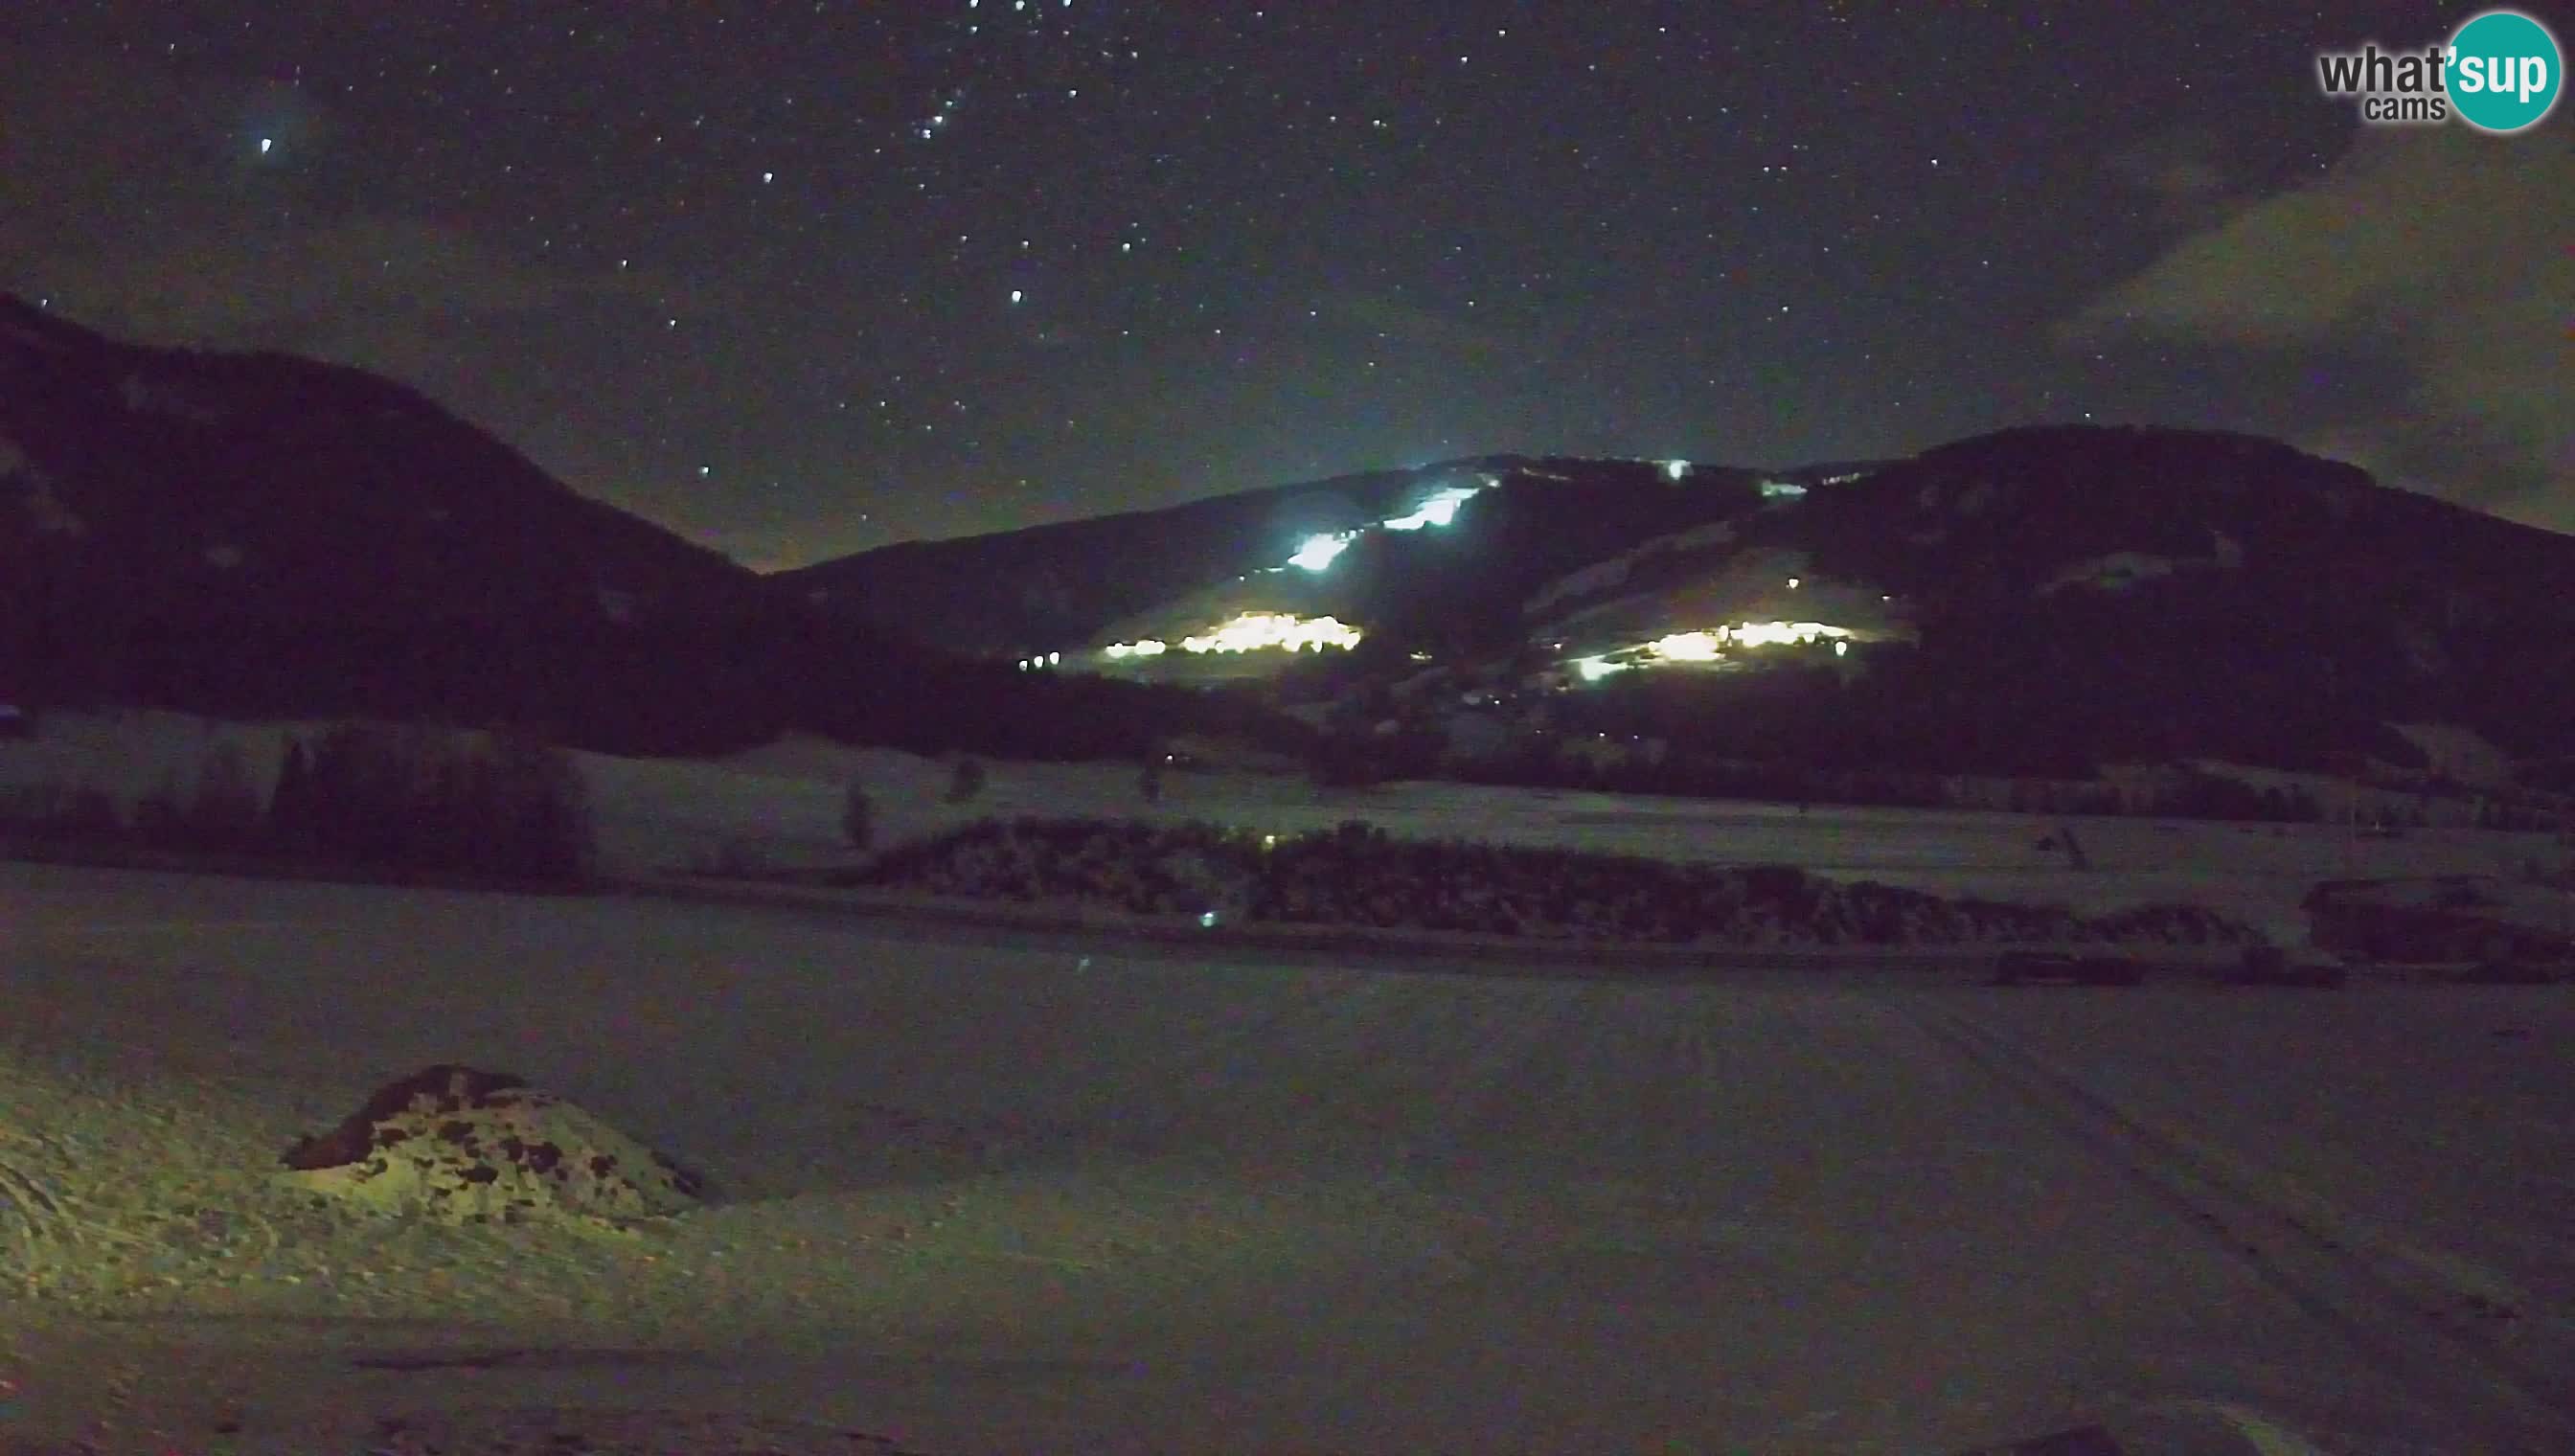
(992, 1199)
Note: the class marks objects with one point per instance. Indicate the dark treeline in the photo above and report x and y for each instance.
(1356, 875)
(498, 807)
(700, 686)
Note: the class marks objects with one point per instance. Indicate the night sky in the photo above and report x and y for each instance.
(798, 279)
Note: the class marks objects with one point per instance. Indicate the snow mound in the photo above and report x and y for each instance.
(50, 515)
(1602, 576)
(2116, 572)
(2458, 752)
(543, 1431)
(459, 1144)
(153, 397)
(2122, 570)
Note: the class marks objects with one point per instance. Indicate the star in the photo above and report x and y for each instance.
(1277, 242)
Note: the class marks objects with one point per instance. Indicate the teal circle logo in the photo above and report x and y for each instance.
(2504, 71)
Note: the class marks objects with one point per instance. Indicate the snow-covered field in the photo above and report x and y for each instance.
(1004, 1195)
(783, 801)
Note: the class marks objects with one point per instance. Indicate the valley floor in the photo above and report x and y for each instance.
(781, 805)
(997, 1195)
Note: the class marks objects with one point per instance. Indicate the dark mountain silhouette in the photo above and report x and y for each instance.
(259, 535)
(1054, 587)
(2041, 600)
(2083, 595)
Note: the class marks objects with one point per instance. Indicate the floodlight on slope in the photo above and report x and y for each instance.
(1319, 551)
(1440, 509)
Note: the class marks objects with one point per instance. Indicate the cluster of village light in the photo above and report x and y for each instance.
(1710, 646)
(1253, 631)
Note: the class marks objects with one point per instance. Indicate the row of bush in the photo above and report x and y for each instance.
(361, 796)
(1356, 875)
(2190, 794)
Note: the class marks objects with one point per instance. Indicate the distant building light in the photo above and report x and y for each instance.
(1689, 646)
(1054, 658)
(1775, 490)
(1255, 631)
(1711, 646)
(1771, 634)
(1792, 584)
(1841, 649)
(1675, 469)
